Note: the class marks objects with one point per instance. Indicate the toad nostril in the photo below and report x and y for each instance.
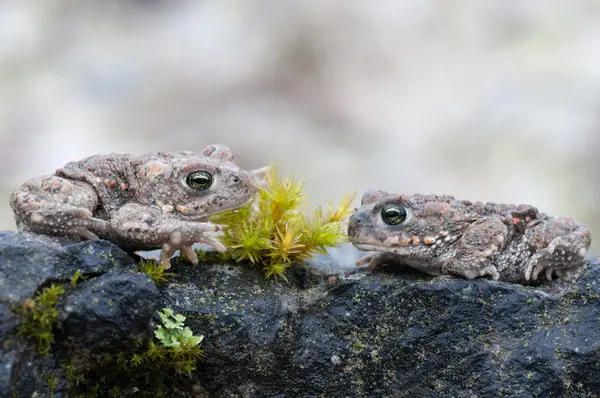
(236, 179)
(353, 225)
(352, 229)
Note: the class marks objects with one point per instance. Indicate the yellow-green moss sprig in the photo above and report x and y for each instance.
(273, 231)
(157, 272)
(77, 277)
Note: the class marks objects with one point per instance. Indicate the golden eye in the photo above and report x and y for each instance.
(393, 214)
(199, 180)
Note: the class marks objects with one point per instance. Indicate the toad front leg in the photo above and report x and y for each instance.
(153, 227)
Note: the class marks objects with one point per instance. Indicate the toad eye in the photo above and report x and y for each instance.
(393, 214)
(199, 180)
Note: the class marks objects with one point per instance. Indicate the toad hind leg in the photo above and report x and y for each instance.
(564, 255)
(53, 205)
(151, 227)
(480, 242)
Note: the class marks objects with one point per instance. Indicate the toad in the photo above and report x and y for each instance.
(151, 201)
(440, 235)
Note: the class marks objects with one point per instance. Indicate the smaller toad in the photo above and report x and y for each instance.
(151, 201)
(442, 235)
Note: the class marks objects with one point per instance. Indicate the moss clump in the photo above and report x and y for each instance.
(158, 273)
(158, 367)
(77, 277)
(177, 349)
(51, 382)
(40, 316)
(273, 231)
(74, 374)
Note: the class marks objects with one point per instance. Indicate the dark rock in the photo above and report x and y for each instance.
(28, 262)
(7, 359)
(108, 313)
(391, 332)
(9, 322)
(30, 374)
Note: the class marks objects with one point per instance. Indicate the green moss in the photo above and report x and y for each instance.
(177, 348)
(209, 257)
(357, 347)
(158, 367)
(40, 316)
(74, 374)
(158, 273)
(273, 231)
(51, 382)
(77, 277)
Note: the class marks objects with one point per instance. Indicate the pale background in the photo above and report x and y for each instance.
(486, 100)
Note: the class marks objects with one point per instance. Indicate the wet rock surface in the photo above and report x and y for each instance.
(395, 333)
(108, 313)
(30, 261)
(390, 332)
(109, 306)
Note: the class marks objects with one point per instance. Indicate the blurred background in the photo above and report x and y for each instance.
(492, 101)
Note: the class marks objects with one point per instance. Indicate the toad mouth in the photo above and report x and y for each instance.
(378, 248)
(203, 217)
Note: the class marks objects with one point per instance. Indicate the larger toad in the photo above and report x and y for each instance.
(442, 235)
(156, 200)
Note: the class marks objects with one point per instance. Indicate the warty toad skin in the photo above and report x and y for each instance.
(439, 234)
(155, 200)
